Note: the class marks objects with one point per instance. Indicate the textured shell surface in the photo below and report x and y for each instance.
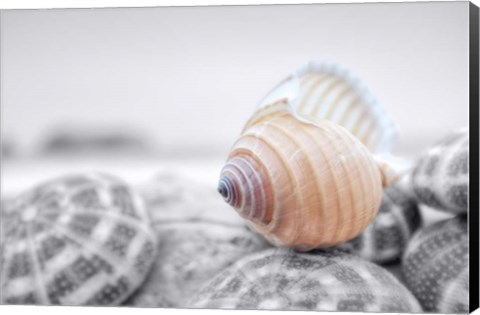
(385, 239)
(191, 253)
(441, 176)
(282, 279)
(197, 237)
(436, 266)
(302, 172)
(75, 240)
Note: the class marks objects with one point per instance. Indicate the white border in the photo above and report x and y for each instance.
(45, 4)
(49, 4)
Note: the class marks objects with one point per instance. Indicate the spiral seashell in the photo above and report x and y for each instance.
(384, 240)
(304, 181)
(436, 266)
(196, 241)
(281, 279)
(441, 178)
(75, 240)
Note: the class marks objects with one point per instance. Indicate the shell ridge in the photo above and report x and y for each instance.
(363, 184)
(283, 160)
(300, 201)
(250, 193)
(318, 185)
(331, 166)
(352, 215)
(374, 174)
(267, 227)
(292, 178)
(262, 189)
(243, 197)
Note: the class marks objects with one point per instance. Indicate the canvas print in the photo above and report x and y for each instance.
(280, 157)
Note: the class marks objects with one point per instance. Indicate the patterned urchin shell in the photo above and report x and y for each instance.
(190, 254)
(281, 279)
(436, 266)
(440, 178)
(397, 219)
(75, 240)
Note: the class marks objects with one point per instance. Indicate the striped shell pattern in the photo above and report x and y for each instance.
(329, 91)
(281, 279)
(75, 240)
(386, 237)
(441, 176)
(302, 172)
(436, 266)
(198, 237)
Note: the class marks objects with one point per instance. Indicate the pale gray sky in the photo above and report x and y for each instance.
(190, 77)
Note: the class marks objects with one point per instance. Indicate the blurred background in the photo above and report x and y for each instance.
(134, 91)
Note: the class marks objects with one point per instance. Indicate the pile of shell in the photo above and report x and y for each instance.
(435, 264)
(89, 240)
(92, 239)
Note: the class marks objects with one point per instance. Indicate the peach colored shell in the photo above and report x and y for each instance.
(301, 180)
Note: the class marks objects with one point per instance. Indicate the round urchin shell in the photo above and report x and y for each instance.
(436, 266)
(440, 177)
(397, 219)
(281, 279)
(75, 240)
